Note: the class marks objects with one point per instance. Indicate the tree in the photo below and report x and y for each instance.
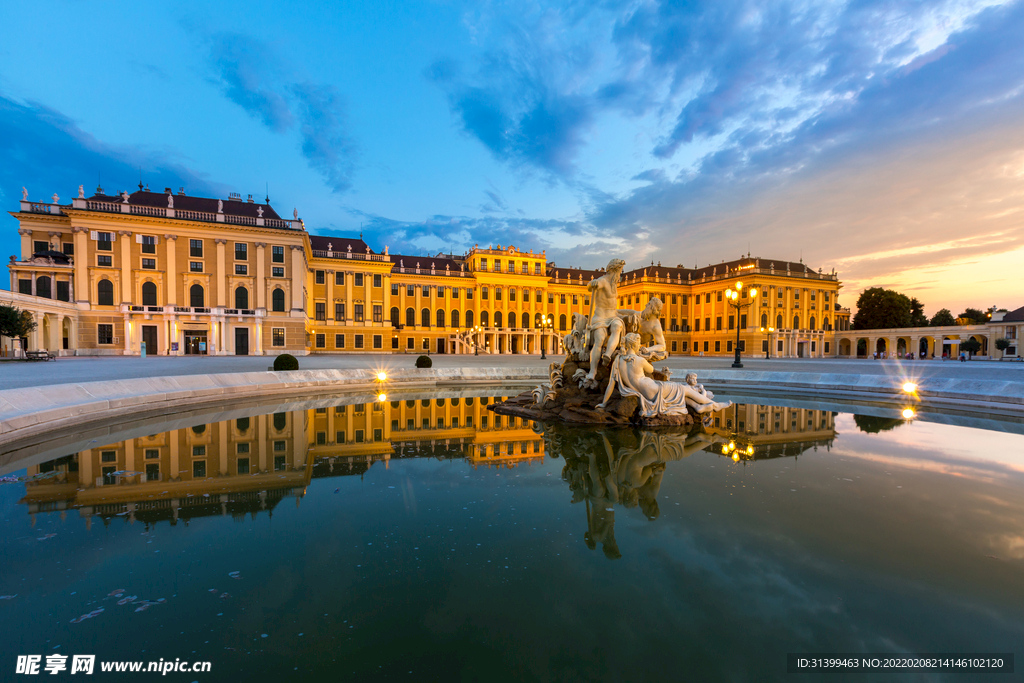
(971, 346)
(879, 308)
(944, 318)
(917, 316)
(1002, 344)
(975, 316)
(15, 322)
(871, 424)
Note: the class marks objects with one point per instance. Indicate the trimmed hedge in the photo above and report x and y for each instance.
(424, 362)
(285, 361)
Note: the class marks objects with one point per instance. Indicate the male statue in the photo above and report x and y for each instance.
(605, 324)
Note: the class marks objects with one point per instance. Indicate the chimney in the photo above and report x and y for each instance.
(167, 190)
(250, 199)
(181, 191)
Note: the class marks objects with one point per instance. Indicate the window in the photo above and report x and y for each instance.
(728, 346)
(320, 311)
(778, 322)
(148, 244)
(359, 280)
(321, 341)
(378, 313)
(483, 264)
(410, 317)
(561, 322)
(561, 298)
(339, 437)
(707, 324)
(241, 269)
(394, 289)
(242, 448)
(195, 248)
(409, 343)
(277, 271)
(484, 321)
(526, 268)
(426, 290)
(148, 294)
(277, 254)
(718, 346)
(469, 319)
(425, 317)
(102, 260)
(104, 241)
(455, 318)
(575, 300)
(277, 335)
(40, 245)
(277, 300)
(357, 314)
(241, 251)
(394, 342)
(105, 334)
(511, 293)
(497, 265)
(69, 250)
(339, 311)
(339, 341)
(378, 341)
(707, 297)
(243, 464)
(359, 341)
(149, 264)
(199, 468)
(696, 324)
(105, 293)
(455, 292)
(440, 317)
(197, 297)
(339, 278)
(195, 266)
(469, 293)
(319, 277)
(378, 280)
(483, 293)
(410, 290)
(684, 345)
(536, 268)
(732, 322)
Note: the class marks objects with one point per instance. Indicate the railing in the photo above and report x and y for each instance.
(42, 207)
(155, 309)
(276, 223)
(152, 211)
(192, 215)
(239, 220)
(182, 309)
(323, 253)
(136, 308)
(103, 206)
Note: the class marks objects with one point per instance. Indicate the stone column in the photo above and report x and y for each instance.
(82, 262)
(329, 279)
(418, 305)
(127, 334)
(260, 300)
(124, 237)
(26, 243)
(34, 276)
(172, 279)
(367, 300)
(298, 280)
(222, 274)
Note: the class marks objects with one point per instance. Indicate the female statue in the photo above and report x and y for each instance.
(630, 374)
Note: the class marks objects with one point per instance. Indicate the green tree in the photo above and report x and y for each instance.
(15, 322)
(971, 346)
(943, 318)
(871, 424)
(879, 308)
(1002, 344)
(917, 316)
(975, 316)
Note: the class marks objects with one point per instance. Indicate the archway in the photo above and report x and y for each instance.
(66, 332)
(881, 345)
(844, 347)
(862, 348)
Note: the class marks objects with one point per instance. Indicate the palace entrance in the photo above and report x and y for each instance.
(195, 342)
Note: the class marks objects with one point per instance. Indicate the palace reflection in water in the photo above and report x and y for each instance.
(249, 465)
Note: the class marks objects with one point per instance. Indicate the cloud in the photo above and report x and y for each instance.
(46, 152)
(250, 75)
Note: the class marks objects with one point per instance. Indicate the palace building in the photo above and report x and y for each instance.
(173, 274)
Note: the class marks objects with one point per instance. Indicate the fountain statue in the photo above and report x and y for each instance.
(607, 376)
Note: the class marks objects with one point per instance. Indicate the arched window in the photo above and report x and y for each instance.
(526, 320)
(483, 319)
(396, 319)
(538, 320)
(425, 317)
(241, 297)
(148, 294)
(198, 429)
(561, 322)
(277, 299)
(764, 320)
(455, 318)
(796, 322)
(280, 421)
(440, 317)
(826, 325)
(105, 292)
(410, 317)
(512, 320)
(812, 323)
(497, 319)
(44, 287)
(469, 318)
(778, 321)
(242, 424)
(197, 298)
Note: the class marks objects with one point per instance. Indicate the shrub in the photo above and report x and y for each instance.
(285, 361)
(424, 362)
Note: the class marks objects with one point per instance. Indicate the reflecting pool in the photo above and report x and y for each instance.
(430, 539)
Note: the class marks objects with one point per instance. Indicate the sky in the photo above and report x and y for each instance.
(884, 140)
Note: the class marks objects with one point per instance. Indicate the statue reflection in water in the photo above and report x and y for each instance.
(619, 466)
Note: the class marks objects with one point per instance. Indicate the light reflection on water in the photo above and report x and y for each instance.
(434, 536)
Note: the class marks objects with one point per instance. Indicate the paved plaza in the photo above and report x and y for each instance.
(18, 374)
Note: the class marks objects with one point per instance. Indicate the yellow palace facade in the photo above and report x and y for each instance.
(171, 274)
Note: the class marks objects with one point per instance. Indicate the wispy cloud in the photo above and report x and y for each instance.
(250, 74)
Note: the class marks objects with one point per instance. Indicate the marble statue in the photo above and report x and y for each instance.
(24, 195)
(124, 197)
(259, 211)
(650, 326)
(295, 214)
(56, 199)
(630, 373)
(170, 201)
(220, 206)
(605, 325)
(81, 191)
(575, 343)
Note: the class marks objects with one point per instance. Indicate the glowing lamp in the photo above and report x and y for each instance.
(381, 376)
(735, 457)
(750, 450)
(725, 450)
(909, 387)
(908, 413)
(382, 397)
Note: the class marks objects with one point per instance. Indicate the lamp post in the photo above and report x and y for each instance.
(768, 346)
(732, 296)
(545, 325)
(476, 341)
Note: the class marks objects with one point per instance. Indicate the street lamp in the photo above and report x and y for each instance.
(732, 296)
(768, 347)
(545, 325)
(476, 341)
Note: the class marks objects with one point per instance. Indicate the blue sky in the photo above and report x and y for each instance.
(882, 139)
